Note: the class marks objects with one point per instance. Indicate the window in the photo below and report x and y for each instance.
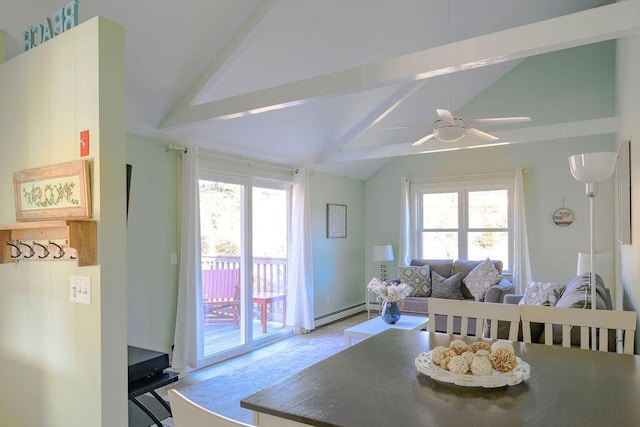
(464, 220)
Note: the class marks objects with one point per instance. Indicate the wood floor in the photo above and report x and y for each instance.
(279, 347)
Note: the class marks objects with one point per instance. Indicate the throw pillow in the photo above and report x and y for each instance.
(481, 278)
(443, 287)
(578, 293)
(541, 293)
(418, 278)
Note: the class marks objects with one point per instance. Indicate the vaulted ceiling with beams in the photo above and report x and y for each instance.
(337, 86)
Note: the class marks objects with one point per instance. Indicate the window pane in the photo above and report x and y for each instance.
(440, 210)
(437, 245)
(488, 209)
(492, 245)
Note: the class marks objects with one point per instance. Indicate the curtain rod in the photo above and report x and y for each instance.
(173, 147)
(248, 163)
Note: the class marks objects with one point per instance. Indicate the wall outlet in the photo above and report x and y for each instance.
(174, 258)
(80, 289)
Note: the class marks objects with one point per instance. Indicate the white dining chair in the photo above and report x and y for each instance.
(187, 413)
(585, 319)
(481, 311)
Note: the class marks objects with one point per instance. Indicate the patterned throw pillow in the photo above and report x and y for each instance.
(481, 278)
(443, 287)
(418, 278)
(541, 293)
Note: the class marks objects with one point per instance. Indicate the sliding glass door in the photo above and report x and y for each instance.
(243, 228)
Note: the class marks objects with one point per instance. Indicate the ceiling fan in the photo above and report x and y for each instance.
(452, 129)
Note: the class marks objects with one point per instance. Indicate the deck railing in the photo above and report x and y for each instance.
(269, 273)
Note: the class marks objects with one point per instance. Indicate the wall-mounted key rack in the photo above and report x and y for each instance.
(61, 240)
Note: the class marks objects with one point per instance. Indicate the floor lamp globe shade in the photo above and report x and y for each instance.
(592, 167)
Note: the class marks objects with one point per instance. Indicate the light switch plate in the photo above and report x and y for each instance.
(80, 289)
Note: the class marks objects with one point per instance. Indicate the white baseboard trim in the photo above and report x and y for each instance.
(338, 315)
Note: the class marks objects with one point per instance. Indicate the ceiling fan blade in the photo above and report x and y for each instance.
(497, 121)
(445, 116)
(475, 133)
(422, 140)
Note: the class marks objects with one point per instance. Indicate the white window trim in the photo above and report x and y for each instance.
(456, 184)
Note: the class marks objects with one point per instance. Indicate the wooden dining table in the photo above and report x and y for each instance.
(376, 383)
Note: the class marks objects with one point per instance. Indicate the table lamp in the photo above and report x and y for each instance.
(382, 253)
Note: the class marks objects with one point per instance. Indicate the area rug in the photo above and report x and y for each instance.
(223, 393)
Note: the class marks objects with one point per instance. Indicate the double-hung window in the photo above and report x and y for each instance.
(464, 220)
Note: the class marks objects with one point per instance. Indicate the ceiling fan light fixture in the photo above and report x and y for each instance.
(449, 133)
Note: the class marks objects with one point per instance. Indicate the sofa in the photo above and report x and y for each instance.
(445, 278)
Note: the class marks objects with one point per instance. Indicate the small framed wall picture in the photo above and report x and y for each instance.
(563, 217)
(336, 221)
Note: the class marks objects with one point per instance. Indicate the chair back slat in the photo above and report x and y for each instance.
(481, 311)
(220, 284)
(585, 319)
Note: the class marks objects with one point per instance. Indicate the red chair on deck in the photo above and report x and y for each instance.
(221, 296)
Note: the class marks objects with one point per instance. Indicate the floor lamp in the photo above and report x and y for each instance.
(592, 168)
(382, 253)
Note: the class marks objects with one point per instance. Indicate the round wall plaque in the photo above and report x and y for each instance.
(563, 217)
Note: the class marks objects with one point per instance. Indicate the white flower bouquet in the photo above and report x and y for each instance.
(388, 292)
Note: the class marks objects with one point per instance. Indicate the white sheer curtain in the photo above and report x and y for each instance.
(300, 265)
(188, 344)
(404, 249)
(521, 262)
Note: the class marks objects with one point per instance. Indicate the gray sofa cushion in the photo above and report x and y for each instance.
(441, 266)
(446, 287)
(577, 295)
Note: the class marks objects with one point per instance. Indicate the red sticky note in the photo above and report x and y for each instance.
(84, 143)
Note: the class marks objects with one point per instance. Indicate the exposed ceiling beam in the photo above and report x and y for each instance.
(581, 28)
(603, 126)
(374, 117)
(231, 51)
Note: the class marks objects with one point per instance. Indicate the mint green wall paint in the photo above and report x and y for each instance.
(579, 79)
(577, 83)
(152, 235)
(338, 269)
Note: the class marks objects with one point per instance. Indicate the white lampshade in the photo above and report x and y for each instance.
(603, 263)
(592, 167)
(382, 253)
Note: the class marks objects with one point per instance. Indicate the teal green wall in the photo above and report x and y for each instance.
(579, 80)
(338, 268)
(152, 235)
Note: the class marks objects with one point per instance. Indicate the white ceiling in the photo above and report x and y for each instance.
(311, 83)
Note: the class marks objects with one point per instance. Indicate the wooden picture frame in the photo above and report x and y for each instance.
(59, 191)
(336, 221)
(624, 193)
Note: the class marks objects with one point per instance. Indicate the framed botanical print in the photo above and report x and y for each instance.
(59, 191)
(336, 221)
